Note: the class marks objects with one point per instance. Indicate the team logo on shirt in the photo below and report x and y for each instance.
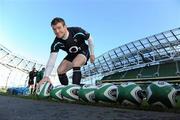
(73, 49)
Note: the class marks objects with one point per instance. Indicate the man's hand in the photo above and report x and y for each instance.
(92, 58)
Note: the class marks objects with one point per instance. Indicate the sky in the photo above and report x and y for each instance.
(25, 24)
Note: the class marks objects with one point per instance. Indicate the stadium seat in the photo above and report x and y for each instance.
(131, 74)
(149, 71)
(168, 69)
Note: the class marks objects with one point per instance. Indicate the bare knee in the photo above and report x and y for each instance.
(79, 60)
(76, 64)
(60, 70)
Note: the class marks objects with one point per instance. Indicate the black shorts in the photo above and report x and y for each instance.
(31, 82)
(70, 57)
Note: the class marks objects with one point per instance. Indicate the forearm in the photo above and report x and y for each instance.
(91, 45)
(50, 64)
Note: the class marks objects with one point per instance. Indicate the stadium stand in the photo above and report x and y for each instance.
(155, 57)
(168, 69)
(15, 67)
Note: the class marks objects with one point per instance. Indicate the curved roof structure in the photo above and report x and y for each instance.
(9, 59)
(14, 69)
(149, 50)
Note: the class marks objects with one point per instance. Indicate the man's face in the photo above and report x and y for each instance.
(59, 30)
(34, 69)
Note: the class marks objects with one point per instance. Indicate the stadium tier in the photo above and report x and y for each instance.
(153, 57)
(9, 59)
(14, 69)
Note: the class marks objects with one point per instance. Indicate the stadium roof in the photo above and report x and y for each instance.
(149, 50)
(11, 60)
